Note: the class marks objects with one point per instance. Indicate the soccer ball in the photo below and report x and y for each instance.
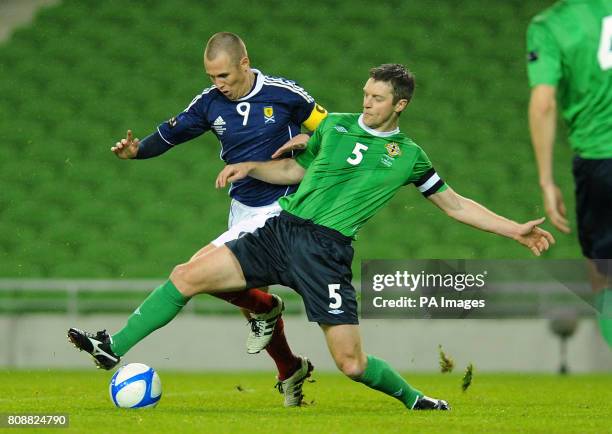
(135, 385)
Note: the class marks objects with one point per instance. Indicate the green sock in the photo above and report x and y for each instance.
(379, 375)
(604, 317)
(158, 309)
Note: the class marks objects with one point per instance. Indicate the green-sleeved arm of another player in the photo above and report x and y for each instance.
(543, 55)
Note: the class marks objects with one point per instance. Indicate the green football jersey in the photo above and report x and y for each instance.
(353, 171)
(570, 46)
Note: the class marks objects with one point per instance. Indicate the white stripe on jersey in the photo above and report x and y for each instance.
(306, 97)
(279, 82)
(290, 137)
(204, 92)
(284, 81)
(293, 85)
(430, 182)
(163, 138)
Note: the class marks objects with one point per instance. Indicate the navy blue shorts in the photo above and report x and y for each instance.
(312, 259)
(594, 206)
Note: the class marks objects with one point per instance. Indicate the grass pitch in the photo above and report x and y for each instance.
(247, 402)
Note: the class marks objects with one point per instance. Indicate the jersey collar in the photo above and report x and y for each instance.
(259, 79)
(374, 132)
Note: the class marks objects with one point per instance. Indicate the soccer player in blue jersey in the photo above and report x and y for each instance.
(252, 115)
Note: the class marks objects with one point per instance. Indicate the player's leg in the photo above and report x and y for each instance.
(264, 253)
(206, 249)
(247, 219)
(267, 331)
(599, 272)
(602, 245)
(320, 266)
(266, 326)
(256, 300)
(234, 297)
(594, 217)
(344, 343)
(216, 271)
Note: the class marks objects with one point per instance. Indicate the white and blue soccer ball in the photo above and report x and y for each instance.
(135, 385)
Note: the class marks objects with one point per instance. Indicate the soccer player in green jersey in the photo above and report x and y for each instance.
(353, 165)
(569, 61)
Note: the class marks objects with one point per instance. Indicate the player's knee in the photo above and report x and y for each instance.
(352, 367)
(180, 278)
(183, 277)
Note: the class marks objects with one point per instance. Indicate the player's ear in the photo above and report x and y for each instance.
(400, 105)
(245, 63)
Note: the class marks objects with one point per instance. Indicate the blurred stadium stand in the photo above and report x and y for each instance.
(16, 13)
(29, 307)
(75, 297)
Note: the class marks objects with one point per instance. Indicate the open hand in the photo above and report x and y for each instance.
(534, 238)
(232, 173)
(555, 208)
(296, 143)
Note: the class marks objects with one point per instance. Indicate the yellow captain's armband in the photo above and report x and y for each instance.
(315, 118)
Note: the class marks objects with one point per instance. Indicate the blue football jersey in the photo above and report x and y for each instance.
(251, 128)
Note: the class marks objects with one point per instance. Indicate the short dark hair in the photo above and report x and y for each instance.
(228, 43)
(400, 78)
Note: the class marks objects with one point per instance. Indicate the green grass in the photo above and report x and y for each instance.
(212, 403)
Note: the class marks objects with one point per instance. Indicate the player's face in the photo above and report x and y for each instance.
(379, 111)
(230, 78)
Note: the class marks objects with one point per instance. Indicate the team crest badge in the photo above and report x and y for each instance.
(393, 149)
(269, 115)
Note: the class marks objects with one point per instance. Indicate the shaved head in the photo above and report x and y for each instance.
(225, 43)
(227, 65)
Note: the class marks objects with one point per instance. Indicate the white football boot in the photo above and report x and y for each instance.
(291, 388)
(262, 327)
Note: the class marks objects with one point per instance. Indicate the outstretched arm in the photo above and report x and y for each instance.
(282, 172)
(472, 213)
(131, 148)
